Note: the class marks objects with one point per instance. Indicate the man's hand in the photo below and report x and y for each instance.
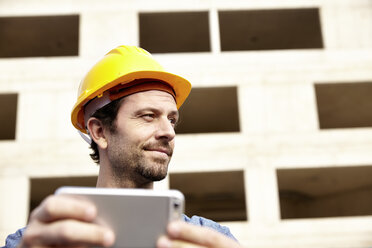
(62, 221)
(182, 235)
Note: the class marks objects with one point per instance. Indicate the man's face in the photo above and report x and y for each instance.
(142, 146)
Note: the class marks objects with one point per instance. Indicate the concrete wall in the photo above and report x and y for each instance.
(278, 115)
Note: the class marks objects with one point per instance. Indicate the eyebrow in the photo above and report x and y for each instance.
(155, 110)
(175, 113)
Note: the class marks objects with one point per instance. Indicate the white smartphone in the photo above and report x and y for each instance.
(137, 216)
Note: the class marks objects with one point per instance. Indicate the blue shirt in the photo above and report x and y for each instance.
(13, 239)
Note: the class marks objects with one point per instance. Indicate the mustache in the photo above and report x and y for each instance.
(159, 146)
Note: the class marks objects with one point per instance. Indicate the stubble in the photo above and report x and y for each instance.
(131, 163)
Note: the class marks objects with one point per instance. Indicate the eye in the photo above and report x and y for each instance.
(148, 117)
(173, 120)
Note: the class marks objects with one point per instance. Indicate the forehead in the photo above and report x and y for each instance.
(151, 98)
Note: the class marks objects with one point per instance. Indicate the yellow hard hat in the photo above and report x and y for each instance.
(123, 66)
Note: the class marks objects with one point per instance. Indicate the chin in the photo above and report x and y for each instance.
(154, 177)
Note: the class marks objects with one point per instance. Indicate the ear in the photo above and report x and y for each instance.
(96, 132)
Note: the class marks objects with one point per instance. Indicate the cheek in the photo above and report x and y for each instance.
(172, 142)
(139, 135)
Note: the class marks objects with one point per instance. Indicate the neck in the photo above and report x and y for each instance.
(107, 179)
(123, 183)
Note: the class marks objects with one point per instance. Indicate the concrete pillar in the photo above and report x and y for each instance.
(14, 207)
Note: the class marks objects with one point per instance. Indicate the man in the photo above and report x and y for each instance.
(128, 105)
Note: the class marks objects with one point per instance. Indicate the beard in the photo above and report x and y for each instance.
(131, 162)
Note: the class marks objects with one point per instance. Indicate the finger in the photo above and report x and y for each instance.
(68, 233)
(164, 242)
(199, 235)
(62, 207)
(38, 246)
(22, 245)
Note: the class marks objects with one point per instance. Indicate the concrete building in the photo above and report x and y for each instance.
(277, 129)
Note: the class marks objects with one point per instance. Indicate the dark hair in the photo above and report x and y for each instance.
(107, 115)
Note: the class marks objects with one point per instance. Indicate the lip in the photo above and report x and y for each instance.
(162, 150)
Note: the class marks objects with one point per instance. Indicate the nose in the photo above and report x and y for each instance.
(165, 130)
